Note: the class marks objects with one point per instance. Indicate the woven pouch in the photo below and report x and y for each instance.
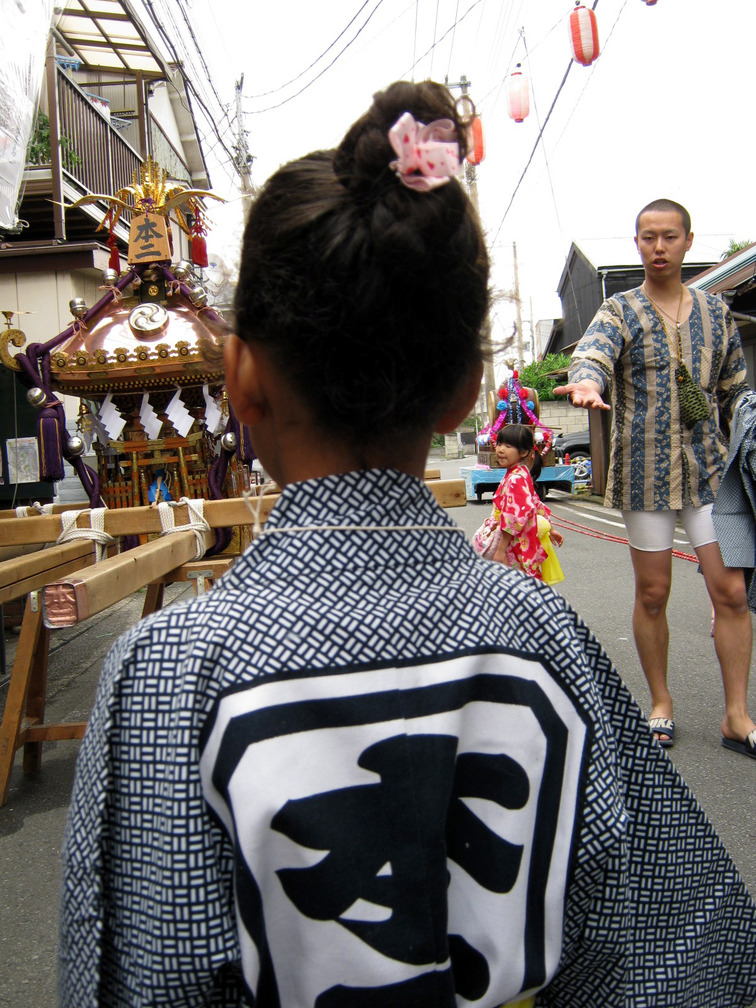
(693, 403)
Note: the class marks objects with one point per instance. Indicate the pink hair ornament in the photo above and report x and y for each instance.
(427, 156)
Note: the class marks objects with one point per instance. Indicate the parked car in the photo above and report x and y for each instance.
(578, 447)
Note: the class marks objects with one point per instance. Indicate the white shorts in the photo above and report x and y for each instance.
(653, 531)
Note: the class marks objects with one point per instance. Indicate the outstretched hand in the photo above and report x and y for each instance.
(583, 393)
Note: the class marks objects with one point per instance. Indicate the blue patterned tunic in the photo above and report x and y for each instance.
(371, 768)
(656, 463)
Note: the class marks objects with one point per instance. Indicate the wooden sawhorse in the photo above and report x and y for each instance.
(65, 586)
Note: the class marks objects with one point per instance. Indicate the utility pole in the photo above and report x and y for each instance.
(518, 305)
(243, 159)
(532, 331)
(471, 181)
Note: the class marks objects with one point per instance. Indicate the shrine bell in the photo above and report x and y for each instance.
(583, 35)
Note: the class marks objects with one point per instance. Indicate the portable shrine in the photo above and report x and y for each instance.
(512, 403)
(146, 364)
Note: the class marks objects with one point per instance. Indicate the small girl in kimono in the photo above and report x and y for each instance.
(517, 506)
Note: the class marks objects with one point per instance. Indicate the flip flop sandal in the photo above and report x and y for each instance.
(747, 747)
(663, 726)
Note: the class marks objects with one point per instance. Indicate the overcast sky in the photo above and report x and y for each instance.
(664, 111)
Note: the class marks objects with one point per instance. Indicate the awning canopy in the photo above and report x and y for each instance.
(107, 35)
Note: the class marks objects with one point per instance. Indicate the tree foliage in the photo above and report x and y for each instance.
(735, 246)
(39, 150)
(538, 375)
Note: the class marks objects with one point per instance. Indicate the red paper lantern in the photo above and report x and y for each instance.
(476, 141)
(584, 35)
(518, 92)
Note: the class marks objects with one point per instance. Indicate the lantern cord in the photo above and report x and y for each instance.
(588, 79)
(433, 47)
(451, 44)
(581, 323)
(498, 88)
(414, 41)
(538, 139)
(532, 153)
(411, 71)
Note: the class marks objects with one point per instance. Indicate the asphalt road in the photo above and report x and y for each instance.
(598, 584)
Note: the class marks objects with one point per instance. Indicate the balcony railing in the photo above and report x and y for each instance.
(102, 161)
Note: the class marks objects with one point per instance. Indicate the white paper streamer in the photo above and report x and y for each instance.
(99, 431)
(213, 414)
(110, 417)
(179, 415)
(150, 420)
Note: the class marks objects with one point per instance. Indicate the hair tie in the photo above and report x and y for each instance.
(427, 156)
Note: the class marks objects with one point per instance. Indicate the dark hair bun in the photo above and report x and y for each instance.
(370, 296)
(362, 159)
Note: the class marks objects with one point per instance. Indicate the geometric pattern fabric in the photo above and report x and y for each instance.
(652, 910)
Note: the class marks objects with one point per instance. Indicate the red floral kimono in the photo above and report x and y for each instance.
(516, 508)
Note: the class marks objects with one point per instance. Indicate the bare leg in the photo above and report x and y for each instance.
(733, 637)
(653, 579)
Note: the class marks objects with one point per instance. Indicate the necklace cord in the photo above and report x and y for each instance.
(255, 507)
(660, 312)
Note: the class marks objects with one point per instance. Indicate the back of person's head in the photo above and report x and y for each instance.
(666, 206)
(536, 466)
(368, 296)
(517, 435)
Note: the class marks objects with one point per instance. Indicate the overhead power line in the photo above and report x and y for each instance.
(264, 94)
(187, 62)
(543, 127)
(411, 70)
(326, 68)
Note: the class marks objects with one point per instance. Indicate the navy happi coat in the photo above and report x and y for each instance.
(370, 768)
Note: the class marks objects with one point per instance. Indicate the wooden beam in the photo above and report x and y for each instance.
(35, 570)
(56, 509)
(69, 601)
(218, 514)
(448, 493)
(133, 520)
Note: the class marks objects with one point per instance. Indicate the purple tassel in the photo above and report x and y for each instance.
(248, 452)
(89, 480)
(49, 438)
(216, 477)
(244, 451)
